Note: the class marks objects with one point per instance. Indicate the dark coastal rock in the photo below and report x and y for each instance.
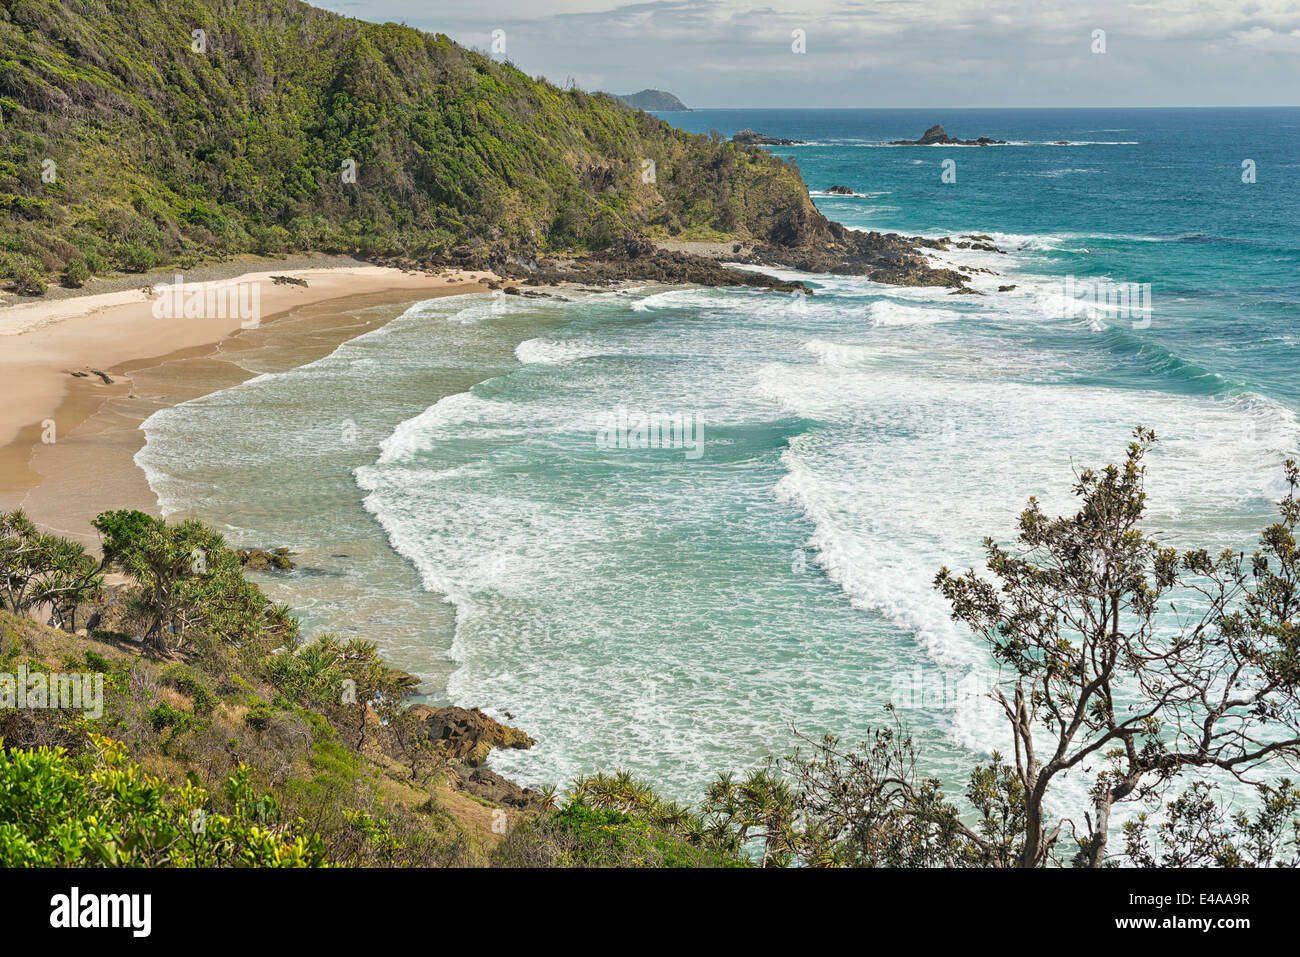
(638, 260)
(1006, 288)
(839, 190)
(748, 137)
(469, 735)
(490, 786)
(800, 239)
(881, 257)
(935, 136)
(259, 559)
(288, 281)
(793, 234)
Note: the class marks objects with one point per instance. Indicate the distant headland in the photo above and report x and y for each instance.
(653, 101)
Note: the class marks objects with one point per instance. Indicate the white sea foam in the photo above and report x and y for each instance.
(887, 313)
(553, 351)
(903, 469)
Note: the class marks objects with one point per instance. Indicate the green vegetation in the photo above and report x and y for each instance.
(214, 709)
(44, 571)
(104, 811)
(188, 579)
(127, 143)
(1121, 657)
(581, 836)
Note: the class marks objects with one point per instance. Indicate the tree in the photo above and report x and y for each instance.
(70, 578)
(119, 530)
(39, 570)
(1100, 681)
(1196, 831)
(347, 681)
(407, 734)
(187, 578)
(759, 807)
(1124, 660)
(75, 273)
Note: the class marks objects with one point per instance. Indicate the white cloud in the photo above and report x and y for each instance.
(890, 52)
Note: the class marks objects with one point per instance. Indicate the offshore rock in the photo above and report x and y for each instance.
(935, 136)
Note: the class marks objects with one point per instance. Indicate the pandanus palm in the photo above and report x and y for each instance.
(548, 797)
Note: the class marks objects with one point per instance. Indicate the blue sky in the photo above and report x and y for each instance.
(881, 53)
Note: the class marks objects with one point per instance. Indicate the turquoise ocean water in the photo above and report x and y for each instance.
(676, 614)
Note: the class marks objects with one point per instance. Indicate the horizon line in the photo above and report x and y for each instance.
(757, 109)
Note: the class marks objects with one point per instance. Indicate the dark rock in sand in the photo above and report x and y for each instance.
(935, 136)
(86, 373)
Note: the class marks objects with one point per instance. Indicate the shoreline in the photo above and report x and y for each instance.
(68, 437)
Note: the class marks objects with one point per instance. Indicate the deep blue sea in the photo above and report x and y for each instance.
(452, 487)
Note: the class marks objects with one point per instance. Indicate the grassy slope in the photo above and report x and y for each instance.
(165, 155)
(185, 720)
(298, 756)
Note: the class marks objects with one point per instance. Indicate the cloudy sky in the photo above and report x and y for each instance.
(880, 53)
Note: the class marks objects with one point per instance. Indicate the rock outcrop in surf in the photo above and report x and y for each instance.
(935, 136)
(748, 137)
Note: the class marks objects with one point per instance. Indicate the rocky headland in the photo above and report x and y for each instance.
(464, 737)
(653, 101)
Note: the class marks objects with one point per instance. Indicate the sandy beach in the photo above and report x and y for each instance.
(82, 372)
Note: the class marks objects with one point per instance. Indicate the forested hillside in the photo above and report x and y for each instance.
(129, 140)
